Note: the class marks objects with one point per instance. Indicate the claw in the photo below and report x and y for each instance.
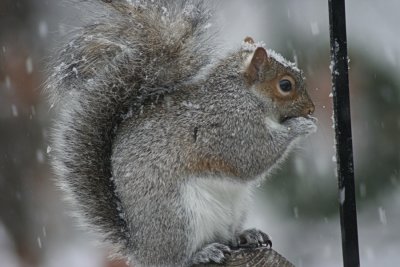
(253, 238)
(267, 240)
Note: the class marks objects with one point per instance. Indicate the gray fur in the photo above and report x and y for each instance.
(134, 118)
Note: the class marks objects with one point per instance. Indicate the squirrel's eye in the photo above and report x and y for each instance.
(285, 85)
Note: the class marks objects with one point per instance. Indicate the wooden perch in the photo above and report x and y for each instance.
(261, 257)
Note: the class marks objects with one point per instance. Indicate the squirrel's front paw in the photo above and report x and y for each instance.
(214, 252)
(301, 125)
(252, 238)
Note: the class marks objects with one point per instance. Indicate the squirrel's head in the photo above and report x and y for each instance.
(278, 81)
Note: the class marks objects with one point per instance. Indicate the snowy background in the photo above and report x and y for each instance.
(297, 206)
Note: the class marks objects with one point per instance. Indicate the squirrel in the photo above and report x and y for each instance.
(159, 142)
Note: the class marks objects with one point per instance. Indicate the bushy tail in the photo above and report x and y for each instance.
(133, 51)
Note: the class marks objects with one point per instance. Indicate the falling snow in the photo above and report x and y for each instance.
(314, 28)
(342, 195)
(296, 212)
(363, 190)
(39, 241)
(8, 82)
(43, 29)
(33, 110)
(382, 215)
(39, 156)
(14, 110)
(29, 65)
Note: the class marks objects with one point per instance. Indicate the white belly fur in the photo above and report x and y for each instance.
(216, 208)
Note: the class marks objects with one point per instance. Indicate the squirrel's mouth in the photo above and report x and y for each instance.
(285, 118)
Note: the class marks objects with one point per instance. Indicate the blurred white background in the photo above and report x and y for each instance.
(297, 206)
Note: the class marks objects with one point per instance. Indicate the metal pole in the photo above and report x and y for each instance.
(344, 146)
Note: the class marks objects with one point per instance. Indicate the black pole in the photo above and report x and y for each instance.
(344, 146)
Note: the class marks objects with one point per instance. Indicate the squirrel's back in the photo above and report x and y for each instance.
(133, 52)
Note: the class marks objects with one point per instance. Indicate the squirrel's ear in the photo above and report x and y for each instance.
(257, 65)
(248, 40)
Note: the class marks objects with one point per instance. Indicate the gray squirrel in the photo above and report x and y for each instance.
(158, 141)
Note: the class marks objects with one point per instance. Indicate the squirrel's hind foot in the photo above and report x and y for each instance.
(252, 238)
(214, 252)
